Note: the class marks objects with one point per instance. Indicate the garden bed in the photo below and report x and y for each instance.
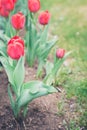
(43, 113)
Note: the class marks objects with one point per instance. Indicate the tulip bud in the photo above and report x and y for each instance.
(16, 39)
(15, 47)
(60, 53)
(8, 4)
(3, 12)
(18, 20)
(14, 1)
(44, 18)
(34, 5)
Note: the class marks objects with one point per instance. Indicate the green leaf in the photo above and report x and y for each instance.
(11, 97)
(49, 67)
(4, 37)
(43, 36)
(9, 69)
(45, 48)
(19, 73)
(3, 48)
(58, 63)
(32, 90)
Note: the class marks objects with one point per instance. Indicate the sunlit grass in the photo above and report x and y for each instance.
(69, 23)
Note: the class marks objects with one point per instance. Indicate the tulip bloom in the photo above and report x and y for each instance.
(15, 47)
(34, 5)
(60, 53)
(14, 1)
(44, 18)
(18, 20)
(16, 39)
(3, 12)
(7, 4)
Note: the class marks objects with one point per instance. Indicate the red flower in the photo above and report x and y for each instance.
(34, 5)
(60, 53)
(16, 39)
(14, 1)
(15, 47)
(3, 12)
(7, 4)
(44, 18)
(18, 20)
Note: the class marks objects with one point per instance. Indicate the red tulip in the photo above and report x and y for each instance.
(60, 53)
(14, 1)
(16, 39)
(15, 47)
(44, 18)
(3, 12)
(7, 4)
(34, 5)
(18, 20)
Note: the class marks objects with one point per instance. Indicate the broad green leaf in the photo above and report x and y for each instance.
(4, 37)
(19, 73)
(11, 97)
(48, 67)
(43, 36)
(32, 90)
(45, 48)
(40, 69)
(9, 69)
(3, 49)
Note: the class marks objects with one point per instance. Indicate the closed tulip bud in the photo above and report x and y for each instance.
(8, 4)
(44, 18)
(3, 12)
(18, 20)
(34, 5)
(60, 53)
(16, 39)
(14, 1)
(15, 48)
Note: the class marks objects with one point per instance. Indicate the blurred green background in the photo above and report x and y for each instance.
(69, 23)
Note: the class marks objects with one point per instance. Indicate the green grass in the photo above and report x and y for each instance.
(69, 23)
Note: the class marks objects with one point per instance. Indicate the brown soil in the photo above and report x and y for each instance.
(43, 113)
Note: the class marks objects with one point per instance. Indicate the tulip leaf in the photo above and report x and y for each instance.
(59, 62)
(45, 48)
(49, 66)
(3, 49)
(11, 97)
(48, 48)
(8, 68)
(19, 73)
(4, 37)
(43, 36)
(32, 90)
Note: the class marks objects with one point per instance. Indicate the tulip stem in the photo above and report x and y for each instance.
(17, 32)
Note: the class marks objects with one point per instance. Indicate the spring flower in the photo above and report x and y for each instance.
(60, 53)
(7, 4)
(34, 5)
(15, 47)
(18, 20)
(44, 18)
(14, 1)
(3, 12)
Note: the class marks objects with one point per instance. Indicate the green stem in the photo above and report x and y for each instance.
(17, 32)
(30, 55)
(8, 26)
